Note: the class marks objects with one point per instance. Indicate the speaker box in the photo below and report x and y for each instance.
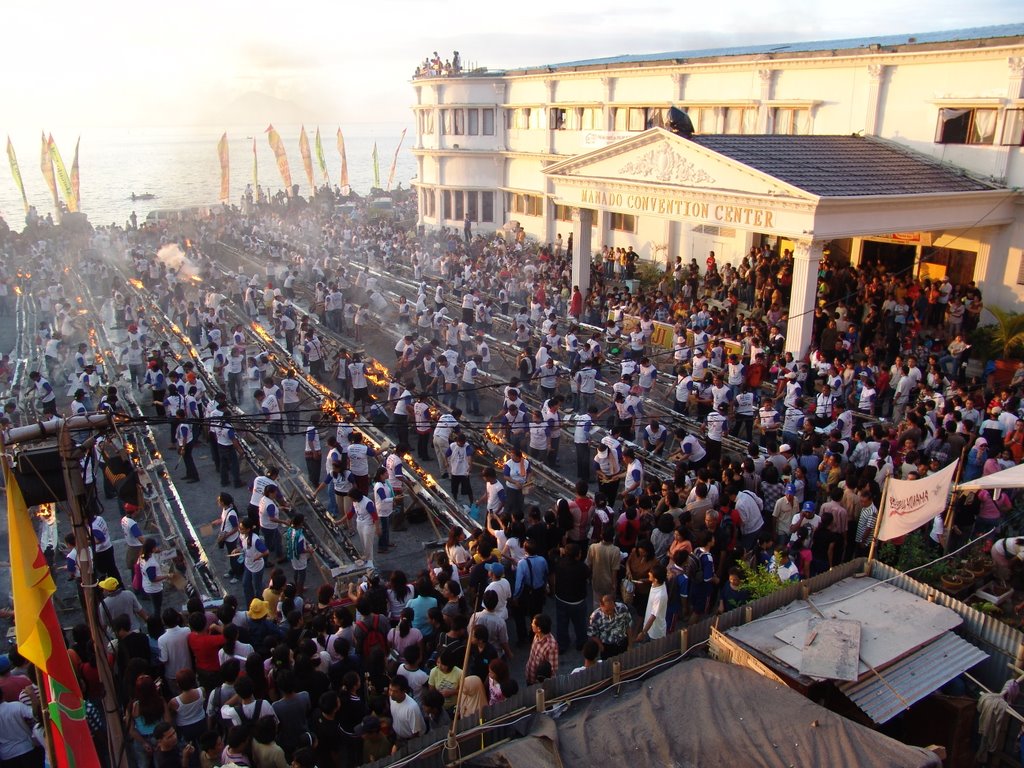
(38, 473)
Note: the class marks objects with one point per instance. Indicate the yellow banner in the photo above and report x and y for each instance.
(282, 157)
(16, 172)
(307, 157)
(320, 159)
(62, 176)
(46, 163)
(376, 168)
(75, 181)
(394, 161)
(255, 174)
(663, 335)
(225, 168)
(344, 164)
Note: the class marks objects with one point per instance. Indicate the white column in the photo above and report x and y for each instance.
(582, 249)
(806, 258)
(875, 74)
(767, 77)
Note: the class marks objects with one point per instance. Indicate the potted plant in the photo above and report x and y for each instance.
(1001, 342)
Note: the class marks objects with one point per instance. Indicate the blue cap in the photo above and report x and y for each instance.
(790, 488)
(808, 506)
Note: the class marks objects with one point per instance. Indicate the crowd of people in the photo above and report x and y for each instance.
(762, 459)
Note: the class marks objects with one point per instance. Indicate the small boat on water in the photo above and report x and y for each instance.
(143, 196)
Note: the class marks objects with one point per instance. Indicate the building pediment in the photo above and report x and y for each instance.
(659, 158)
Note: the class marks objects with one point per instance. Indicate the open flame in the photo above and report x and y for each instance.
(137, 283)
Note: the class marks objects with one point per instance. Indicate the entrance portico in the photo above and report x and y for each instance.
(808, 189)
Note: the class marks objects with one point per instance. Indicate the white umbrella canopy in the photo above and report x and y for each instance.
(1008, 478)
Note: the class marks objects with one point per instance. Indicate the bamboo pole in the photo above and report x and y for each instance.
(947, 519)
(878, 523)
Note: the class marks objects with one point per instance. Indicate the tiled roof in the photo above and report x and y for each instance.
(839, 166)
(782, 48)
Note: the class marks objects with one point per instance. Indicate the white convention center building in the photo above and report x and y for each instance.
(902, 149)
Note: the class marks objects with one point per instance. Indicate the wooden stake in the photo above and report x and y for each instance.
(878, 522)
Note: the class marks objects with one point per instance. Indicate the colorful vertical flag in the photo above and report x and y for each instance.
(16, 172)
(62, 176)
(343, 181)
(40, 639)
(394, 161)
(255, 173)
(320, 159)
(282, 157)
(225, 168)
(46, 162)
(75, 181)
(376, 168)
(307, 157)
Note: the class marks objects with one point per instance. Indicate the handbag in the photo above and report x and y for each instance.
(628, 589)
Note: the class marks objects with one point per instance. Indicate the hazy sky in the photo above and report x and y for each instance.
(118, 63)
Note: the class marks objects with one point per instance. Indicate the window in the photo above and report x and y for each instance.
(538, 119)
(471, 205)
(460, 209)
(487, 120)
(623, 222)
(426, 121)
(427, 198)
(459, 122)
(446, 203)
(453, 122)
(564, 213)
(791, 121)
(558, 119)
(472, 122)
(523, 118)
(1013, 127)
(966, 126)
(527, 205)
(590, 118)
(487, 206)
(637, 119)
(740, 120)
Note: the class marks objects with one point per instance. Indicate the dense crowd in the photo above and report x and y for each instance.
(762, 459)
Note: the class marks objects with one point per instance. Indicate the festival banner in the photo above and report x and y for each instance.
(255, 174)
(75, 181)
(225, 168)
(320, 158)
(40, 639)
(343, 181)
(46, 162)
(62, 176)
(376, 168)
(16, 172)
(394, 161)
(282, 157)
(307, 158)
(909, 504)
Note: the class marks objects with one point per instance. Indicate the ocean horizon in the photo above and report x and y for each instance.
(180, 165)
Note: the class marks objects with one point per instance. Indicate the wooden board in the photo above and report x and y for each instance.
(831, 649)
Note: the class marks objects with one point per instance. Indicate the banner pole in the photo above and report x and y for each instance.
(947, 519)
(878, 521)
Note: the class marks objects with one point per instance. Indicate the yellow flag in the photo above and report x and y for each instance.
(344, 164)
(307, 157)
(62, 176)
(255, 174)
(75, 181)
(16, 172)
(225, 172)
(320, 159)
(376, 167)
(282, 158)
(46, 163)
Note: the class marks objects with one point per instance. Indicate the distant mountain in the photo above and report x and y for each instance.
(255, 108)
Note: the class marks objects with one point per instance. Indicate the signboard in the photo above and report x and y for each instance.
(604, 138)
(664, 335)
(694, 208)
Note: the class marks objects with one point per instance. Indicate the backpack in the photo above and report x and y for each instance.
(373, 638)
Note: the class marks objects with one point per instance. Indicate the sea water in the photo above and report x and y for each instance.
(181, 167)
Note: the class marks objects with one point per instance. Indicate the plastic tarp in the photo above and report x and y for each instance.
(703, 713)
(1008, 478)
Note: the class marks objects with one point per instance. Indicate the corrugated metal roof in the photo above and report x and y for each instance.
(911, 679)
(843, 165)
(853, 43)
